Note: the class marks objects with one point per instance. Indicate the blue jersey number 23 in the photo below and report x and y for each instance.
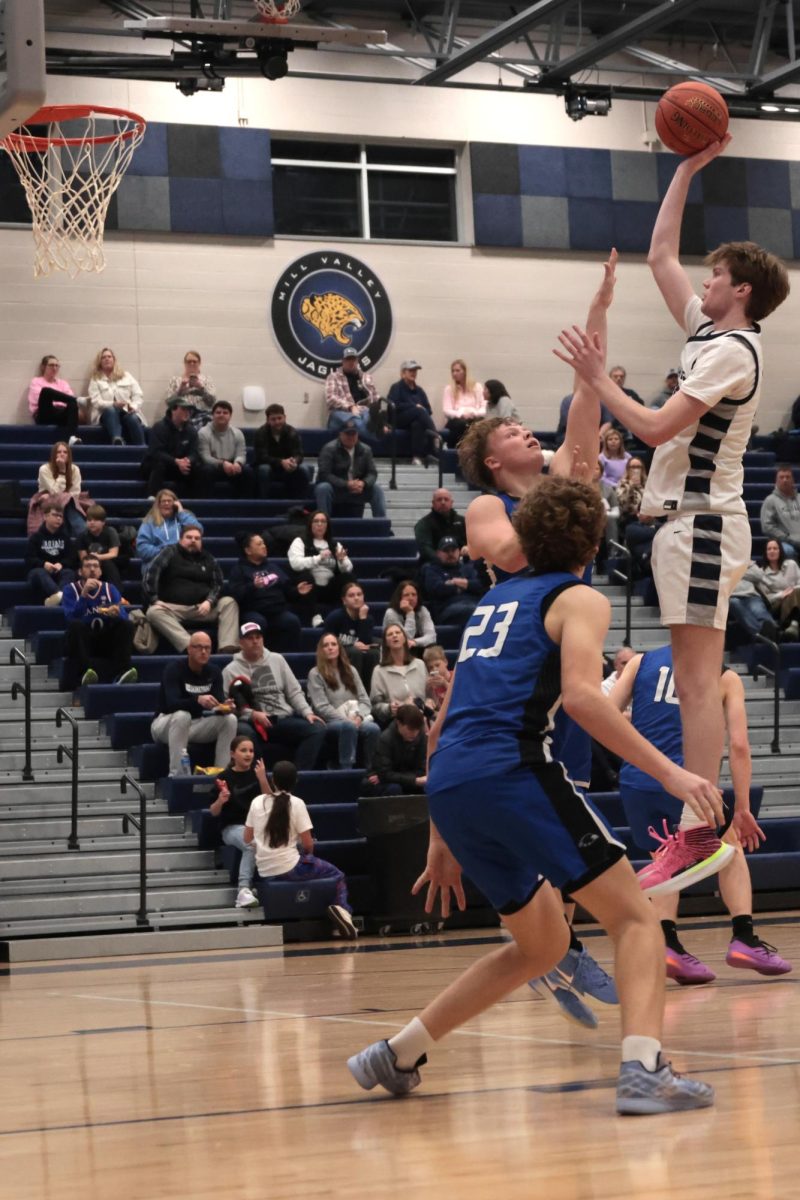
(500, 629)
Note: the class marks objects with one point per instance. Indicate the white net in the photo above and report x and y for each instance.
(277, 10)
(70, 162)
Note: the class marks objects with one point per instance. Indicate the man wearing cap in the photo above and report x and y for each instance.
(350, 394)
(279, 706)
(441, 521)
(671, 384)
(451, 586)
(172, 452)
(191, 705)
(346, 473)
(223, 452)
(412, 411)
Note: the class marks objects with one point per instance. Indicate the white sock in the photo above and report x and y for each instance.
(641, 1049)
(690, 819)
(410, 1044)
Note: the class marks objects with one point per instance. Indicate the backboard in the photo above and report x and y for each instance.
(22, 61)
(247, 33)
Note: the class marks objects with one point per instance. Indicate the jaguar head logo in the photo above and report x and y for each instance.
(331, 314)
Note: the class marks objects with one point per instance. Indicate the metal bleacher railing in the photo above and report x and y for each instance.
(73, 754)
(139, 823)
(24, 689)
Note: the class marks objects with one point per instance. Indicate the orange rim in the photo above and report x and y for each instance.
(71, 112)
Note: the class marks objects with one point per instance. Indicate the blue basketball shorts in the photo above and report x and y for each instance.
(510, 832)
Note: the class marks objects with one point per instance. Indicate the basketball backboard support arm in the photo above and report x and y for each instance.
(246, 34)
(22, 61)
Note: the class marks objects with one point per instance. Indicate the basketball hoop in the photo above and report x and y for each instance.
(70, 170)
(275, 12)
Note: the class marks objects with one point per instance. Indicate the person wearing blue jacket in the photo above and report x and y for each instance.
(162, 526)
(412, 411)
(450, 585)
(99, 632)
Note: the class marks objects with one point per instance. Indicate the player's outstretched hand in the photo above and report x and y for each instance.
(581, 352)
(580, 470)
(605, 293)
(703, 798)
(695, 162)
(748, 831)
(443, 875)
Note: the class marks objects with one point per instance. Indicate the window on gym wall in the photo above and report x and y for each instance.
(402, 193)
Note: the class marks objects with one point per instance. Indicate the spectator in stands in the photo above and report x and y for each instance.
(195, 389)
(117, 397)
(101, 541)
(671, 383)
(748, 608)
(606, 419)
(412, 411)
(352, 626)
(780, 586)
(61, 479)
(319, 560)
(263, 593)
(350, 395)
(613, 457)
(611, 505)
(621, 659)
(281, 706)
(462, 402)
(99, 633)
(237, 787)
(638, 531)
(439, 673)
(224, 454)
(618, 375)
(192, 706)
(162, 525)
(498, 401)
(399, 679)
(172, 451)
(442, 521)
(277, 821)
(51, 400)
(780, 512)
(183, 586)
(413, 618)
(278, 454)
(346, 474)
(401, 754)
(451, 585)
(337, 695)
(50, 556)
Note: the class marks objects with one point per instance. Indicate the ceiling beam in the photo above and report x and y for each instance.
(778, 78)
(493, 40)
(660, 15)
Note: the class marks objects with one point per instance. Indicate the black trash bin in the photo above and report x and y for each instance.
(396, 829)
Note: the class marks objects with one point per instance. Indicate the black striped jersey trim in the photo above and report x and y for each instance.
(714, 425)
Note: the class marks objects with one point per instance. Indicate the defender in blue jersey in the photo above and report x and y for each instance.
(504, 809)
(647, 686)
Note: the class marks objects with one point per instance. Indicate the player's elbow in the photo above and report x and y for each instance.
(578, 701)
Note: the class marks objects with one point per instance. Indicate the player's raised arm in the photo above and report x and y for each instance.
(581, 439)
(621, 693)
(664, 255)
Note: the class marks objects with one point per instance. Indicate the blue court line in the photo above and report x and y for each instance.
(578, 1085)
(431, 943)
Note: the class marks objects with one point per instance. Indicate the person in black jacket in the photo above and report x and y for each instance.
(278, 456)
(352, 625)
(172, 452)
(50, 556)
(192, 707)
(451, 585)
(263, 593)
(442, 521)
(238, 785)
(346, 472)
(400, 756)
(412, 411)
(183, 585)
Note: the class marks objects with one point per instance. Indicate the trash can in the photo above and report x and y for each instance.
(396, 829)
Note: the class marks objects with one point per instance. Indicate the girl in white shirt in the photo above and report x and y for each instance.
(318, 559)
(462, 402)
(276, 822)
(118, 399)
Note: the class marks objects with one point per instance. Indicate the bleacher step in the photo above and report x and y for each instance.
(133, 941)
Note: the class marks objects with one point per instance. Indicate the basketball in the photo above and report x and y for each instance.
(690, 116)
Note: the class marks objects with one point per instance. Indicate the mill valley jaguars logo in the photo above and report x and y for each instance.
(324, 303)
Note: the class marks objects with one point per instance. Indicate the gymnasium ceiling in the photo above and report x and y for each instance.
(622, 49)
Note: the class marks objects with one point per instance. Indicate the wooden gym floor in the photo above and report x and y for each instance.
(222, 1075)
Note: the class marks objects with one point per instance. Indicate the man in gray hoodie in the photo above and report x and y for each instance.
(279, 710)
(780, 513)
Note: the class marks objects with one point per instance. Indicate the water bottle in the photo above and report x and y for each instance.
(185, 767)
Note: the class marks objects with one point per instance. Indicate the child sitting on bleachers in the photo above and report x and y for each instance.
(102, 541)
